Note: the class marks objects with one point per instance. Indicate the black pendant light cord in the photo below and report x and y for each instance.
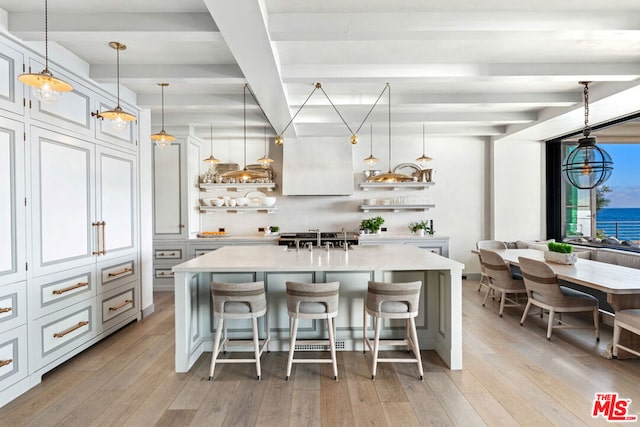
(162, 86)
(46, 37)
(118, 74)
(334, 107)
(317, 86)
(587, 128)
(371, 109)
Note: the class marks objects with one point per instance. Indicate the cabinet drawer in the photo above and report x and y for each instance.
(56, 334)
(118, 304)
(54, 292)
(163, 273)
(201, 251)
(13, 356)
(168, 254)
(116, 274)
(13, 305)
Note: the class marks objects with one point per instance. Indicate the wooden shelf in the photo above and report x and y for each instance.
(268, 186)
(397, 208)
(366, 186)
(237, 209)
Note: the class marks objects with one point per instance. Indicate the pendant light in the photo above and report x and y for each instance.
(371, 160)
(265, 160)
(44, 87)
(211, 160)
(391, 176)
(587, 166)
(245, 175)
(162, 138)
(424, 158)
(119, 118)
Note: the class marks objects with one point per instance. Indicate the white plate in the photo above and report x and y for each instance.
(255, 195)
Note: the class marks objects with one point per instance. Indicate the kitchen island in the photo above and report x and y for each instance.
(439, 322)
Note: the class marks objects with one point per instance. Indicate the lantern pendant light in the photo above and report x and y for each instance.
(265, 160)
(162, 138)
(211, 159)
(587, 166)
(44, 87)
(424, 158)
(119, 118)
(371, 160)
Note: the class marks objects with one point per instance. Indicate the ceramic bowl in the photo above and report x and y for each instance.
(268, 201)
(242, 201)
(217, 202)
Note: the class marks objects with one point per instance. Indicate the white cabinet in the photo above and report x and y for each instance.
(169, 191)
(104, 130)
(12, 206)
(11, 90)
(84, 202)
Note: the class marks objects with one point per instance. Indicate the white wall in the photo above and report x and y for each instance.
(146, 211)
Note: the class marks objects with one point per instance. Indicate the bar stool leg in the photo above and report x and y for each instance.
(292, 345)
(256, 345)
(416, 350)
(332, 344)
(376, 346)
(364, 330)
(216, 348)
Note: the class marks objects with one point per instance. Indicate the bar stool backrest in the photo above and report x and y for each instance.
(322, 293)
(383, 292)
(252, 293)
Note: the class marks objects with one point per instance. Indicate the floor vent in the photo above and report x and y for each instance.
(319, 347)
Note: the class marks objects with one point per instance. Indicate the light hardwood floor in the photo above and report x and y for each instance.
(512, 376)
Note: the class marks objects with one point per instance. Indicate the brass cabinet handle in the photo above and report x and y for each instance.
(5, 309)
(126, 270)
(5, 362)
(119, 306)
(163, 254)
(164, 273)
(104, 244)
(70, 288)
(97, 225)
(71, 329)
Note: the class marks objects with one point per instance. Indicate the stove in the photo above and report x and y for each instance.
(335, 239)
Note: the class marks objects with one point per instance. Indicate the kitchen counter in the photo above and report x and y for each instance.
(439, 322)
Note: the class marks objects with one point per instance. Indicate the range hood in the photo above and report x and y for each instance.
(317, 166)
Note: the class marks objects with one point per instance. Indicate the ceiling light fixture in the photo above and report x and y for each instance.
(119, 118)
(265, 160)
(245, 175)
(424, 158)
(318, 86)
(390, 176)
(45, 87)
(587, 166)
(162, 138)
(211, 160)
(371, 160)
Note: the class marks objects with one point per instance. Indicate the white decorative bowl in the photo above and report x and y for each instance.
(268, 201)
(242, 201)
(217, 202)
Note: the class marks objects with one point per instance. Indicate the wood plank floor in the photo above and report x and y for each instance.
(512, 376)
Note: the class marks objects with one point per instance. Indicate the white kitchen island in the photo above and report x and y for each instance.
(439, 322)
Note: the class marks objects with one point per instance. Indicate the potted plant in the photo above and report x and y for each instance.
(372, 225)
(274, 229)
(421, 227)
(560, 253)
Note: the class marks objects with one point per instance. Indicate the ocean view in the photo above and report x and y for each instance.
(626, 219)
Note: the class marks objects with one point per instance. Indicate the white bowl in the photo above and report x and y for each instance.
(217, 202)
(268, 201)
(242, 201)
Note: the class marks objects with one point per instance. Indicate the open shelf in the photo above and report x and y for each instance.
(397, 208)
(267, 186)
(237, 209)
(366, 186)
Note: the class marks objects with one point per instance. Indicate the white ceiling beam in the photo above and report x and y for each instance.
(336, 73)
(406, 130)
(243, 26)
(203, 73)
(173, 27)
(321, 115)
(209, 101)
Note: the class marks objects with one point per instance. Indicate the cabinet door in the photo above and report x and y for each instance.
(63, 201)
(11, 90)
(127, 138)
(12, 208)
(169, 201)
(116, 202)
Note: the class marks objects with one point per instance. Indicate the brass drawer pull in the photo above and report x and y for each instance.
(119, 306)
(71, 329)
(5, 362)
(70, 288)
(164, 273)
(126, 270)
(5, 309)
(163, 254)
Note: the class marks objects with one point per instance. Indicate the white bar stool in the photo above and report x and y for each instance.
(312, 301)
(392, 301)
(239, 301)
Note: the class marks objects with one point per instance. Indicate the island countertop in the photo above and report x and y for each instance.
(361, 258)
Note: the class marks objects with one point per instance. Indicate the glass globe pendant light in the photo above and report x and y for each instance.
(587, 166)
(422, 160)
(44, 87)
(119, 118)
(265, 160)
(162, 138)
(371, 160)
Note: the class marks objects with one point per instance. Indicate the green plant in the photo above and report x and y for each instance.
(563, 248)
(372, 224)
(421, 225)
(274, 228)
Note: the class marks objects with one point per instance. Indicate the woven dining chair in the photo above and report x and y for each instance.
(487, 244)
(500, 280)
